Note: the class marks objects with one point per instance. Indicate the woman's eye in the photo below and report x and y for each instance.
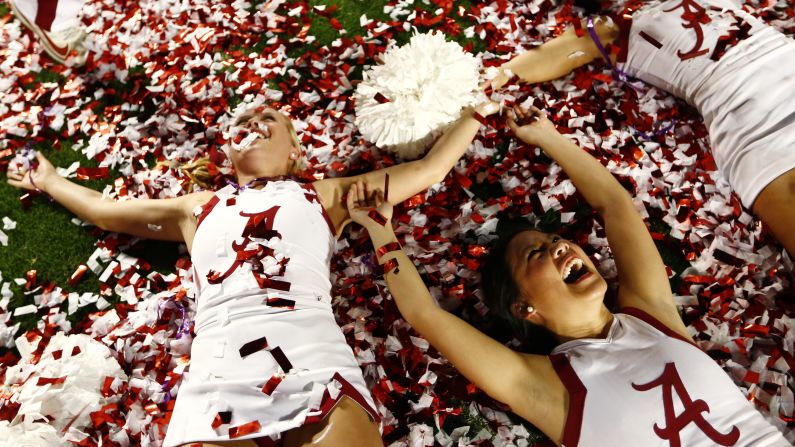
(533, 253)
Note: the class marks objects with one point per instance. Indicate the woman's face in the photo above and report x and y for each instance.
(262, 144)
(554, 276)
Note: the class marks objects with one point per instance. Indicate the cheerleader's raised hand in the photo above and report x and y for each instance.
(368, 206)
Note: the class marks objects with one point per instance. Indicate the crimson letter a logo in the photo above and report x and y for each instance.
(669, 380)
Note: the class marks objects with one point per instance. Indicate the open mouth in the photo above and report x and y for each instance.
(241, 138)
(574, 270)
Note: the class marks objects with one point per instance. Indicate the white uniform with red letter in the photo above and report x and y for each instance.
(268, 354)
(736, 70)
(644, 385)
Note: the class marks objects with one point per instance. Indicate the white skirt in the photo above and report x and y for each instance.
(748, 103)
(264, 373)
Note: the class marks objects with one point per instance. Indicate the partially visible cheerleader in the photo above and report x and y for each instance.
(736, 70)
(56, 24)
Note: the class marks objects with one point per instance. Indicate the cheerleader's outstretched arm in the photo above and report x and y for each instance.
(642, 276)
(521, 381)
(558, 57)
(162, 219)
(410, 178)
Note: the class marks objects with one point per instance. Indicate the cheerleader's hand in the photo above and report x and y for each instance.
(367, 207)
(32, 176)
(531, 126)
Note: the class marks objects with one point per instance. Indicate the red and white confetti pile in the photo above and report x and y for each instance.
(162, 81)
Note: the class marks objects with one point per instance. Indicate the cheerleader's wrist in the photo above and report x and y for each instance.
(485, 109)
(381, 236)
(384, 233)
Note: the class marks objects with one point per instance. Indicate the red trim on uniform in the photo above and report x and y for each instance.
(45, 14)
(325, 213)
(206, 209)
(327, 404)
(577, 394)
(655, 323)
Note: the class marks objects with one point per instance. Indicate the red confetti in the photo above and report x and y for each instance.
(78, 275)
(388, 266)
(30, 277)
(281, 359)
(253, 346)
(280, 302)
(50, 381)
(272, 383)
(223, 417)
(245, 429)
(392, 246)
(377, 217)
(92, 173)
(386, 187)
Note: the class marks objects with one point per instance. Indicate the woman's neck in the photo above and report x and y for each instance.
(244, 179)
(594, 328)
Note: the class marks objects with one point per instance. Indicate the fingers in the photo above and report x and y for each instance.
(15, 175)
(378, 198)
(537, 113)
(360, 193)
(527, 116)
(20, 184)
(352, 197)
(512, 124)
(368, 194)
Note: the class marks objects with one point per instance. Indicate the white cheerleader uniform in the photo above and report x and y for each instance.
(645, 385)
(736, 70)
(268, 354)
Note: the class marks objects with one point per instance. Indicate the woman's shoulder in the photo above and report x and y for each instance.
(198, 196)
(189, 202)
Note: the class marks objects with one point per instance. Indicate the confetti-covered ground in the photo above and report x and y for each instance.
(153, 94)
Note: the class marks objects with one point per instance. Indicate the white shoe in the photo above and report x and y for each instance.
(65, 46)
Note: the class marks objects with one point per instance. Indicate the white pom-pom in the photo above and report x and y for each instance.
(65, 385)
(420, 88)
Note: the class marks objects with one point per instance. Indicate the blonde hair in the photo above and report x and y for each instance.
(198, 171)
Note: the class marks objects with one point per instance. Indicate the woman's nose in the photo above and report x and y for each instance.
(560, 249)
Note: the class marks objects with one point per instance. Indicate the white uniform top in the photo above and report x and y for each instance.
(745, 90)
(268, 354)
(645, 385)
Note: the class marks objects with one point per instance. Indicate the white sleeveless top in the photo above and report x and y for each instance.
(645, 385)
(268, 355)
(743, 86)
(297, 242)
